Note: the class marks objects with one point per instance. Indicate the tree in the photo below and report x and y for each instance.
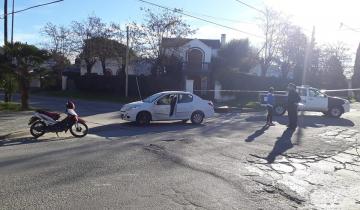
(292, 49)
(58, 39)
(27, 61)
(356, 76)
(147, 37)
(103, 48)
(87, 33)
(5, 74)
(332, 62)
(274, 26)
(237, 55)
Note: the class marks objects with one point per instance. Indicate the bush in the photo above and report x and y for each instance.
(10, 106)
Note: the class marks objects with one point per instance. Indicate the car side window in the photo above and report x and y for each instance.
(185, 98)
(314, 93)
(166, 100)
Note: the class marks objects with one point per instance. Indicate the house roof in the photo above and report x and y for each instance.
(177, 42)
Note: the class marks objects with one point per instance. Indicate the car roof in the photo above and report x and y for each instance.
(175, 92)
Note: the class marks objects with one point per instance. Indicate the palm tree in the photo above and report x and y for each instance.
(26, 60)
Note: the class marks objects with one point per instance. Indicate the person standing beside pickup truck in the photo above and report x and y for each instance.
(270, 106)
(292, 106)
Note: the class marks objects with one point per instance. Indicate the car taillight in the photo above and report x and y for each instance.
(211, 103)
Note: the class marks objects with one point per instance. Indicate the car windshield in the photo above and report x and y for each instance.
(152, 98)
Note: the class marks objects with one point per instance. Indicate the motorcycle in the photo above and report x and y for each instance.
(45, 122)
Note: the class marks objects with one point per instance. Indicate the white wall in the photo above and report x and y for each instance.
(111, 63)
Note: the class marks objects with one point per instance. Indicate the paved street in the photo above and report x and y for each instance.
(230, 162)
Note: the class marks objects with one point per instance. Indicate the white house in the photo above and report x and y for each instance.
(196, 55)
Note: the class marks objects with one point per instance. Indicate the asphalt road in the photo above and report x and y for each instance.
(230, 162)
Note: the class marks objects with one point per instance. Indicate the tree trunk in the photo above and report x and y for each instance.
(24, 85)
(89, 65)
(264, 69)
(103, 65)
(6, 96)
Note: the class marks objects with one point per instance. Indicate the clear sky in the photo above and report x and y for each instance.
(325, 15)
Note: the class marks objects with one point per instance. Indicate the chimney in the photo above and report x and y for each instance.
(223, 40)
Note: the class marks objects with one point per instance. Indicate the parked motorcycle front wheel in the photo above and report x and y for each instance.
(79, 130)
(37, 129)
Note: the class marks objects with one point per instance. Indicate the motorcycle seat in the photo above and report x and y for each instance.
(53, 115)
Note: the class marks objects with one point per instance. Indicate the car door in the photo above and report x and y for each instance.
(184, 106)
(316, 101)
(161, 109)
(303, 93)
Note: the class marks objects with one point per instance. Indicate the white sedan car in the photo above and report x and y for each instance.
(157, 107)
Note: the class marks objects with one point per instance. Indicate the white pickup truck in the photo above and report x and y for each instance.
(312, 100)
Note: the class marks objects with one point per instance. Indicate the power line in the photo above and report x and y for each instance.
(32, 7)
(252, 7)
(218, 18)
(199, 18)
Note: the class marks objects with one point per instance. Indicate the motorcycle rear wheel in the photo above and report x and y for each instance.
(79, 130)
(37, 129)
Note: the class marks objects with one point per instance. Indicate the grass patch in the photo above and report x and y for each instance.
(10, 106)
(91, 96)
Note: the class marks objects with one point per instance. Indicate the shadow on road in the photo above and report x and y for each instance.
(29, 140)
(281, 145)
(305, 121)
(257, 133)
(131, 129)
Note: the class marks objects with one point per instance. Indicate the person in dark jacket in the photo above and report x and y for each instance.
(270, 106)
(292, 106)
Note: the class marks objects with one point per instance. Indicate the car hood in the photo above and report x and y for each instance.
(337, 98)
(133, 104)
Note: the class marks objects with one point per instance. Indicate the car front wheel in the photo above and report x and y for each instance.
(143, 118)
(197, 117)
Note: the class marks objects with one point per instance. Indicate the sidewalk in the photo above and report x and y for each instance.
(15, 124)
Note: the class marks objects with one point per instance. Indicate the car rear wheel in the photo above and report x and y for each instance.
(143, 118)
(279, 110)
(197, 117)
(336, 111)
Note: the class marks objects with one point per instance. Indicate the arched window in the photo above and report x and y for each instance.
(195, 58)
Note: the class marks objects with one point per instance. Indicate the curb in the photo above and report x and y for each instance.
(226, 109)
(14, 134)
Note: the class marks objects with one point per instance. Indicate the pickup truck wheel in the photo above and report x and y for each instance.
(279, 110)
(336, 111)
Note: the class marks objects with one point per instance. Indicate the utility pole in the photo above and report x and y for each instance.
(308, 56)
(127, 63)
(12, 22)
(5, 22)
